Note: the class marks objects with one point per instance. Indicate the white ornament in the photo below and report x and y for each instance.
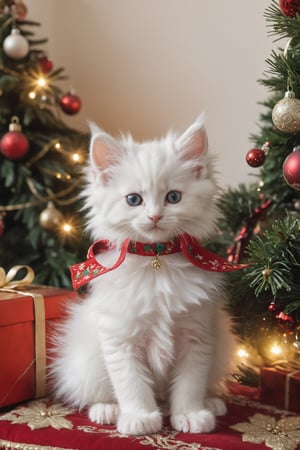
(15, 45)
(286, 113)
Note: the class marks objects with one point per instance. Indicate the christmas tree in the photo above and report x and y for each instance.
(261, 221)
(40, 156)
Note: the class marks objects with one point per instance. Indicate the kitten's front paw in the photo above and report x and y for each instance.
(216, 405)
(104, 413)
(143, 423)
(202, 421)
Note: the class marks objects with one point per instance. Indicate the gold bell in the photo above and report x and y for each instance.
(156, 263)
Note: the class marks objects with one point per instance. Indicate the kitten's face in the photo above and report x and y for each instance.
(152, 191)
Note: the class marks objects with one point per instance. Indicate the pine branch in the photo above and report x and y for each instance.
(280, 25)
(275, 257)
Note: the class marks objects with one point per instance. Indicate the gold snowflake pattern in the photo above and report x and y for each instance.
(283, 434)
(166, 440)
(38, 415)
(169, 442)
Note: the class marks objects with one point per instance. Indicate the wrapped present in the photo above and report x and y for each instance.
(280, 386)
(27, 320)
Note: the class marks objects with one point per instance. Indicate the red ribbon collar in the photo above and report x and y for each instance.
(199, 256)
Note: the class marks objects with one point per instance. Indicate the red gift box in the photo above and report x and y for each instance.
(280, 387)
(27, 320)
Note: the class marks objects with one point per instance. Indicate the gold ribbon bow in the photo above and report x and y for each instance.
(8, 280)
(9, 284)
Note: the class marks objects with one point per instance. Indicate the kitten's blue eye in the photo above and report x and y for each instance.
(134, 199)
(173, 197)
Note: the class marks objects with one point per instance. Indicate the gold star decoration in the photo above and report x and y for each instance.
(283, 434)
(38, 415)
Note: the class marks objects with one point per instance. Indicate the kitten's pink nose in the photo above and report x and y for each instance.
(155, 219)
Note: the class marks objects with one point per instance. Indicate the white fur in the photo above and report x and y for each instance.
(142, 335)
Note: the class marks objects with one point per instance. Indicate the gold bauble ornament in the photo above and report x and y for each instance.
(267, 273)
(286, 113)
(51, 218)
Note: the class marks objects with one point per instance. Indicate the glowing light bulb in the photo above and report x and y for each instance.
(59, 176)
(276, 349)
(260, 186)
(76, 157)
(67, 228)
(32, 95)
(41, 82)
(57, 145)
(242, 353)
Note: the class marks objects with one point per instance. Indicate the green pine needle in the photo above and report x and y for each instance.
(275, 257)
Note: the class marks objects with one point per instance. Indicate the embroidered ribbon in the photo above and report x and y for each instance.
(8, 284)
(203, 258)
(200, 257)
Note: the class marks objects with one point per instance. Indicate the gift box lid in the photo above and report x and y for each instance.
(18, 307)
(273, 378)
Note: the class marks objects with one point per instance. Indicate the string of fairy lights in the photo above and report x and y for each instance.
(38, 91)
(51, 218)
(277, 349)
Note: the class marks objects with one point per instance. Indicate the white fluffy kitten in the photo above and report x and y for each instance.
(142, 334)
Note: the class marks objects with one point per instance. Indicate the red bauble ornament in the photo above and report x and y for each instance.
(70, 103)
(256, 157)
(272, 307)
(291, 169)
(289, 7)
(14, 144)
(45, 64)
(19, 10)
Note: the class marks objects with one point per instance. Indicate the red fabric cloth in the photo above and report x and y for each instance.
(86, 435)
(17, 339)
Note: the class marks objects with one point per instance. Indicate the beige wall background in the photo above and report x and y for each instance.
(145, 66)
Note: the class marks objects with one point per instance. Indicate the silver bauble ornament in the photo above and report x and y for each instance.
(51, 218)
(286, 113)
(15, 45)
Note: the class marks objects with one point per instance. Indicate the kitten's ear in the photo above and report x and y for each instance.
(105, 151)
(193, 143)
